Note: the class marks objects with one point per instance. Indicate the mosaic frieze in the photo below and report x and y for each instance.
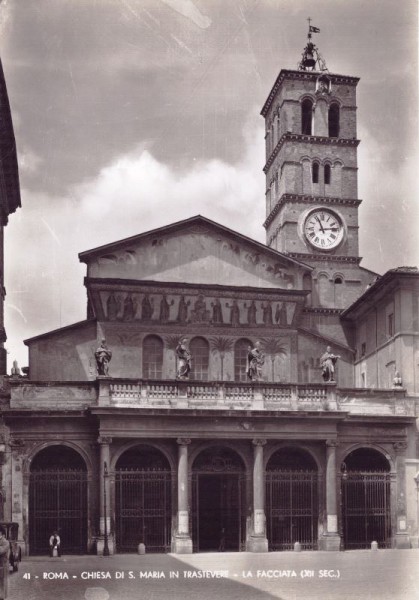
(184, 309)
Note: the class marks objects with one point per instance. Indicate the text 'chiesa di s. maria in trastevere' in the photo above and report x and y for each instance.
(223, 394)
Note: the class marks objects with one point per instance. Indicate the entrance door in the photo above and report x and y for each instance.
(218, 505)
(218, 510)
(58, 501)
(366, 510)
(143, 500)
(365, 499)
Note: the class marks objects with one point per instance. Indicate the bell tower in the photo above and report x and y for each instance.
(311, 175)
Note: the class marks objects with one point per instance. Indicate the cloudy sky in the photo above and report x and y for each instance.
(131, 114)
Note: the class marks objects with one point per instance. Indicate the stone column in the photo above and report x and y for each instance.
(331, 539)
(104, 488)
(182, 543)
(402, 536)
(257, 541)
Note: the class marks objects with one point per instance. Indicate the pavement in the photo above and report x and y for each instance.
(353, 575)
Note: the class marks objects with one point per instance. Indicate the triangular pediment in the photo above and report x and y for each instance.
(196, 251)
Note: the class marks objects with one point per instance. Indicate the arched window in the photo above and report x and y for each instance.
(241, 350)
(327, 174)
(200, 354)
(334, 120)
(152, 357)
(306, 116)
(315, 172)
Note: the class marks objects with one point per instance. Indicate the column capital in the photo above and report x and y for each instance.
(332, 443)
(103, 439)
(183, 441)
(259, 442)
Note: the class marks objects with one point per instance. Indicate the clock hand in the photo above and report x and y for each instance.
(320, 223)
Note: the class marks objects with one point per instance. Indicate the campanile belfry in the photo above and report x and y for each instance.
(311, 175)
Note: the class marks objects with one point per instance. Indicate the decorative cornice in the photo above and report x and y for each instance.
(326, 257)
(303, 75)
(316, 139)
(323, 311)
(305, 199)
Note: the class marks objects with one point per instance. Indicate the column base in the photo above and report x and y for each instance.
(330, 542)
(100, 544)
(257, 544)
(182, 545)
(402, 540)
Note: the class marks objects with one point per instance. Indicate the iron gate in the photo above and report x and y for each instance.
(218, 511)
(58, 502)
(143, 510)
(366, 515)
(292, 509)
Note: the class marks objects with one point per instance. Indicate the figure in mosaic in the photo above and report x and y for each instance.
(327, 363)
(184, 359)
(255, 362)
(103, 357)
(217, 312)
(165, 309)
(182, 315)
(251, 313)
(234, 313)
(112, 307)
(130, 308)
(147, 308)
(267, 313)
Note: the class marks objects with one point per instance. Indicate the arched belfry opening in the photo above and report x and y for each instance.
(366, 506)
(291, 499)
(143, 500)
(58, 500)
(218, 501)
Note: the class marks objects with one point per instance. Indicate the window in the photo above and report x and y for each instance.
(306, 117)
(200, 358)
(327, 175)
(241, 350)
(391, 324)
(363, 349)
(152, 357)
(334, 120)
(315, 172)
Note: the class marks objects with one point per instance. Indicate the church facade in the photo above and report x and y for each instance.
(131, 453)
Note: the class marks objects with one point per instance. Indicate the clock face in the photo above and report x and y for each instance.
(323, 229)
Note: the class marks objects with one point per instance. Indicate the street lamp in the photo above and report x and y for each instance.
(105, 511)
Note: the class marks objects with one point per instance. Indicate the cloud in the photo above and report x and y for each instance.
(133, 194)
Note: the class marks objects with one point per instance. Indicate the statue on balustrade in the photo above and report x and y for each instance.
(184, 359)
(328, 361)
(217, 312)
(255, 362)
(103, 357)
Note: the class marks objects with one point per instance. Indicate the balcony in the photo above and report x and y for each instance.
(193, 395)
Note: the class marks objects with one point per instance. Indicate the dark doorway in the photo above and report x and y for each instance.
(218, 492)
(291, 500)
(143, 500)
(58, 500)
(365, 494)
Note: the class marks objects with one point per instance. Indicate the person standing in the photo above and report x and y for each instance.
(54, 544)
(4, 563)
